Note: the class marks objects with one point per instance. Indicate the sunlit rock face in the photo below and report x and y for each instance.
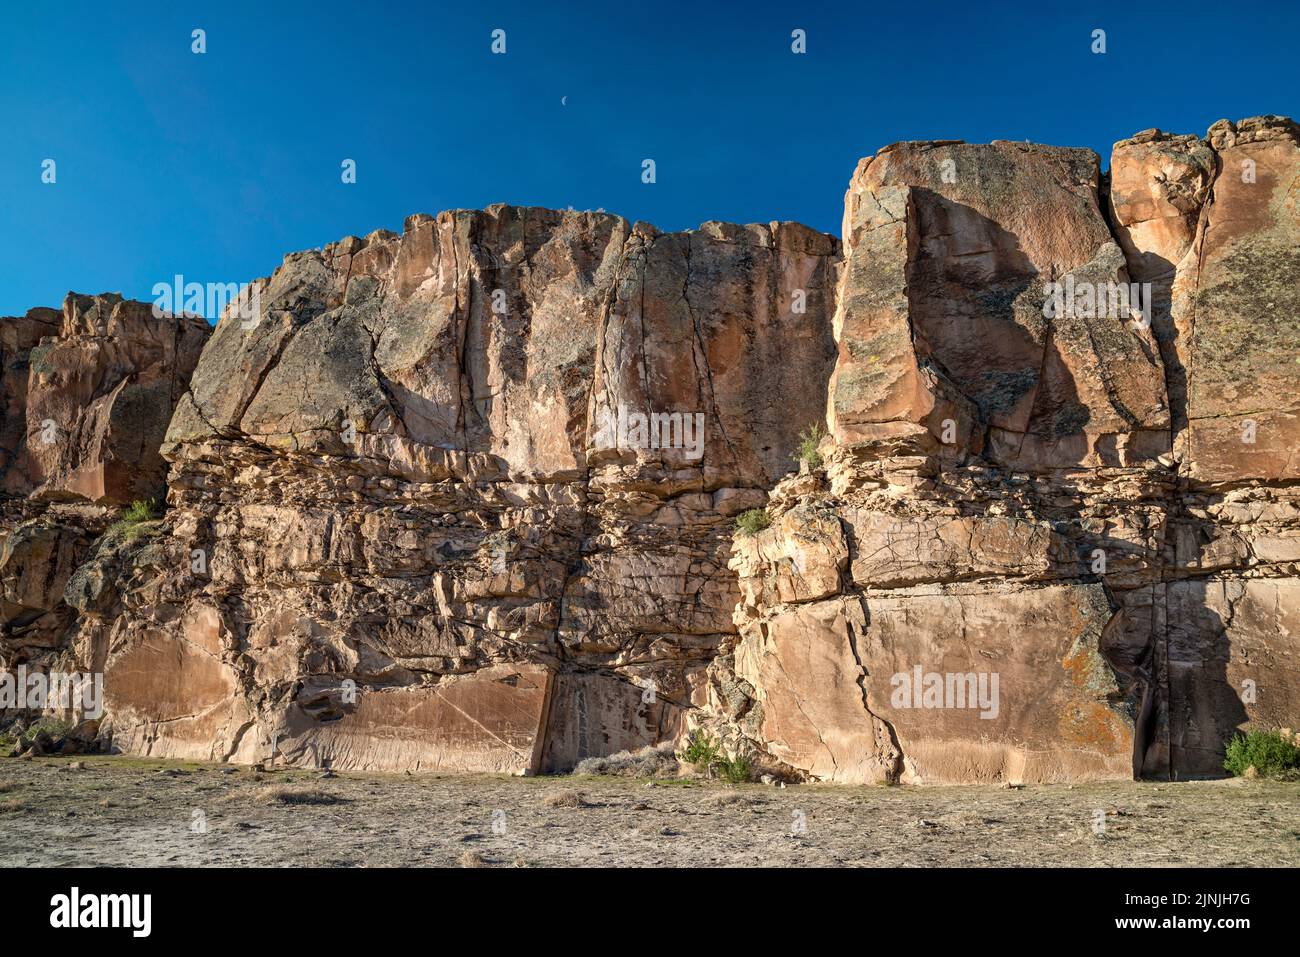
(1093, 507)
(462, 498)
(1215, 224)
(466, 497)
(963, 240)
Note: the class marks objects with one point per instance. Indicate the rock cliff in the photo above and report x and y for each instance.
(88, 395)
(467, 497)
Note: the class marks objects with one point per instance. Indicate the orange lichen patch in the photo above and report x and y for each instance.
(1092, 723)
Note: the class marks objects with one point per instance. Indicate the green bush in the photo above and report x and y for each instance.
(752, 522)
(132, 521)
(700, 750)
(55, 727)
(1270, 754)
(809, 439)
(737, 770)
(705, 755)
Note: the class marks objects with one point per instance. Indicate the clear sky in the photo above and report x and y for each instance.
(216, 165)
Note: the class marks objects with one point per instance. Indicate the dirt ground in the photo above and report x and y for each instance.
(123, 812)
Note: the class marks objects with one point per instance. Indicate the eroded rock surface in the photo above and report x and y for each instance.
(88, 395)
(1080, 503)
(424, 534)
(1216, 221)
(464, 497)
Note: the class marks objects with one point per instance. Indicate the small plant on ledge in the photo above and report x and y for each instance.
(809, 439)
(131, 525)
(752, 522)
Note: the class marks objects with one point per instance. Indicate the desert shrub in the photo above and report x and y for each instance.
(286, 794)
(141, 510)
(752, 522)
(725, 799)
(706, 756)
(809, 439)
(56, 728)
(1268, 752)
(701, 751)
(652, 761)
(735, 770)
(565, 798)
(131, 524)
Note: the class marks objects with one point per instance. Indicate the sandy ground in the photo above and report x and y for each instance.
(123, 812)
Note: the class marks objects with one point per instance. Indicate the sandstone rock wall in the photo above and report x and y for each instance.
(88, 395)
(1096, 508)
(422, 540)
(464, 497)
(1214, 223)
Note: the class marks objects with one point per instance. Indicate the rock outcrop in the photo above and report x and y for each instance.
(1028, 485)
(411, 521)
(1214, 225)
(466, 497)
(88, 395)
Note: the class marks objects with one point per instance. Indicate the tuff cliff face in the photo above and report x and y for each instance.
(466, 497)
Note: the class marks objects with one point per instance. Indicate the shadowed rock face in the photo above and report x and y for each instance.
(1215, 223)
(463, 498)
(1062, 500)
(966, 239)
(88, 395)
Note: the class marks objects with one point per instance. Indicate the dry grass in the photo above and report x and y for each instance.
(13, 805)
(728, 798)
(652, 761)
(966, 819)
(471, 859)
(287, 794)
(6, 787)
(566, 798)
(430, 820)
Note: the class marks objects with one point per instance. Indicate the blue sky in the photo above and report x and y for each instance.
(216, 165)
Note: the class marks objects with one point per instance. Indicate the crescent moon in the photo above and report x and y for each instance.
(562, 101)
